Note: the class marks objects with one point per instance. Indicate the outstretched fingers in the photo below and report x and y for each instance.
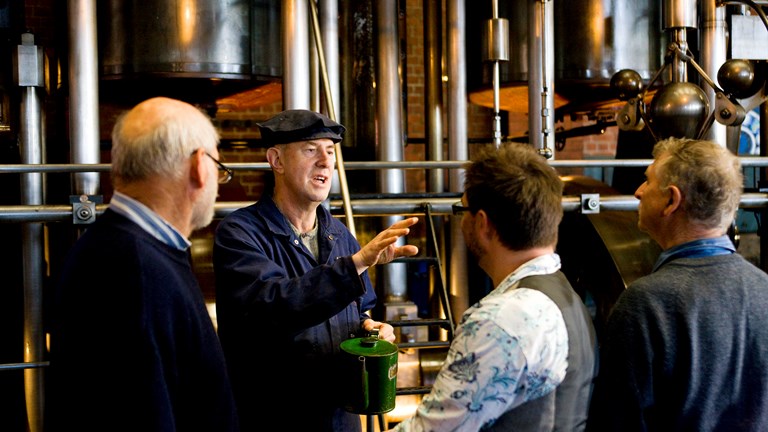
(382, 248)
(406, 251)
(404, 223)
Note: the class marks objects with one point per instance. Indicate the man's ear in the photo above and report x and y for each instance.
(675, 200)
(274, 159)
(483, 225)
(198, 170)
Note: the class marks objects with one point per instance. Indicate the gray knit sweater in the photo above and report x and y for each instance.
(686, 349)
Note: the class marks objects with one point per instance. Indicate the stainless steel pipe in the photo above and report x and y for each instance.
(746, 161)
(389, 108)
(361, 207)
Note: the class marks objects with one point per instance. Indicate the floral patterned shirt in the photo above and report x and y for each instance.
(510, 347)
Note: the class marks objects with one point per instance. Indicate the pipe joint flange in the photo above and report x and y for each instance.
(84, 208)
(590, 203)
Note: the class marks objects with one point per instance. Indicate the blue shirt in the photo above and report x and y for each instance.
(511, 347)
(148, 220)
(695, 249)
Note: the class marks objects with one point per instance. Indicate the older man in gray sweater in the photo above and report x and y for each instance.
(686, 347)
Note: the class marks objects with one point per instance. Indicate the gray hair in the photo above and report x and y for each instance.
(156, 140)
(708, 175)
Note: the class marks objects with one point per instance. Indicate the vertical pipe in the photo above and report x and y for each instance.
(496, 86)
(714, 49)
(433, 119)
(433, 88)
(316, 82)
(30, 72)
(294, 19)
(457, 146)
(340, 171)
(541, 84)
(315, 101)
(677, 16)
(763, 230)
(329, 24)
(34, 337)
(679, 67)
(390, 133)
(357, 74)
(83, 92)
(496, 104)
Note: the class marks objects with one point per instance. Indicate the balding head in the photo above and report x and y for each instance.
(156, 137)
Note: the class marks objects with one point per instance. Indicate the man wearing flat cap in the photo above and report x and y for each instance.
(291, 285)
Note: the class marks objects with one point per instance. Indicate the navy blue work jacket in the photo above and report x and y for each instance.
(282, 314)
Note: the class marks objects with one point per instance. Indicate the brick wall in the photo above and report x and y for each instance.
(241, 125)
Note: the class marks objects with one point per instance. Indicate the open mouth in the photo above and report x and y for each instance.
(321, 179)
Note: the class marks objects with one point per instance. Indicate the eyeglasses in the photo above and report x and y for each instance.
(458, 208)
(225, 173)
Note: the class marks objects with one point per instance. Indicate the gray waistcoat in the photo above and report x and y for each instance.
(566, 408)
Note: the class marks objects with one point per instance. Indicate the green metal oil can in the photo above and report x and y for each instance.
(371, 368)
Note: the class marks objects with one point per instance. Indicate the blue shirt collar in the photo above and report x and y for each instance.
(148, 220)
(696, 249)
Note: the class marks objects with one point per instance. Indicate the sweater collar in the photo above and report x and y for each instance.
(696, 249)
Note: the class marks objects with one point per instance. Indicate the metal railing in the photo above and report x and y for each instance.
(360, 206)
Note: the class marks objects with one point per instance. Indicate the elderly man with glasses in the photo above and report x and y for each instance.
(132, 344)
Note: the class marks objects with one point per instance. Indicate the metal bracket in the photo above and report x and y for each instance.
(84, 208)
(590, 203)
(629, 117)
(727, 111)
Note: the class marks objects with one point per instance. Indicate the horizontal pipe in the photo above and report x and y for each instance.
(48, 168)
(25, 365)
(263, 166)
(361, 207)
(36, 213)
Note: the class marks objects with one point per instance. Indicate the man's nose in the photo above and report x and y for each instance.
(325, 159)
(639, 191)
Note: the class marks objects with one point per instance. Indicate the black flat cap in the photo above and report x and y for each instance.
(299, 125)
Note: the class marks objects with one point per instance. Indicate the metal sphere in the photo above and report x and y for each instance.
(627, 84)
(678, 110)
(737, 77)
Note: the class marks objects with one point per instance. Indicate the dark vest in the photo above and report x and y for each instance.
(566, 408)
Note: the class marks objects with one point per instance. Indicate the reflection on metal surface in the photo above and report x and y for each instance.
(511, 98)
(632, 251)
(267, 94)
(604, 252)
(158, 37)
(593, 40)
(194, 50)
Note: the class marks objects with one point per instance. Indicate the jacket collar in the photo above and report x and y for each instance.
(278, 225)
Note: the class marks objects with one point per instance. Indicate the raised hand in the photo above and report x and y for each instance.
(382, 248)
